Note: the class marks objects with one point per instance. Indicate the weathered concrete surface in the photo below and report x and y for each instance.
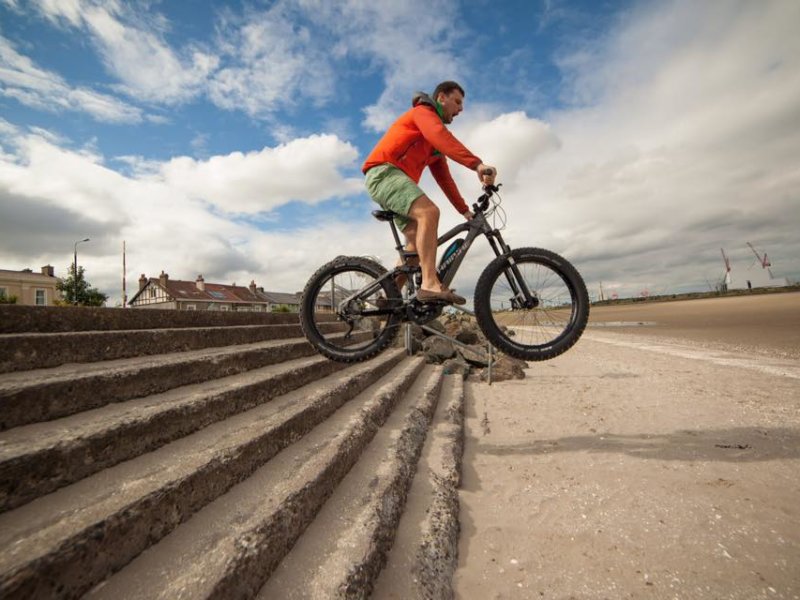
(425, 553)
(229, 548)
(37, 459)
(186, 461)
(26, 351)
(29, 319)
(645, 462)
(34, 396)
(64, 543)
(342, 552)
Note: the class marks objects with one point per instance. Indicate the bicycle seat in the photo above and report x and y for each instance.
(384, 215)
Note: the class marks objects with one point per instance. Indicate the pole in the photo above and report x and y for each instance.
(124, 277)
(75, 269)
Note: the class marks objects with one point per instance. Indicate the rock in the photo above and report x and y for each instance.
(468, 335)
(504, 368)
(475, 355)
(456, 366)
(438, 350)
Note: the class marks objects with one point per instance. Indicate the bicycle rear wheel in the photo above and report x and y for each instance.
(537, 332)
(338, 305)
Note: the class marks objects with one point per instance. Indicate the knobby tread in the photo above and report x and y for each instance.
(493, 332)
(308, 310)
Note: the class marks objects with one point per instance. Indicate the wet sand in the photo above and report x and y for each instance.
(650, 461)
(764, 323)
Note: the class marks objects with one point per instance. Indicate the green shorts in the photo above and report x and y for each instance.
(393, 190)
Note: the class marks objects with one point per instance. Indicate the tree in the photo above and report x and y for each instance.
(86, 295)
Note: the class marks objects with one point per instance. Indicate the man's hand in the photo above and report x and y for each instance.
(468, 215)
(486, 174)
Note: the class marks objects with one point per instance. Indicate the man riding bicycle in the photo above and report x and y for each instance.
(416, 140)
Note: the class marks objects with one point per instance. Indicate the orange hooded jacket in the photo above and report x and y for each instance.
(419, 139)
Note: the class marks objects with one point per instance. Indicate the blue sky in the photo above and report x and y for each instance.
(225, 138)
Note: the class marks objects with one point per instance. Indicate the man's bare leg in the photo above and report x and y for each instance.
(410, 232)
(425, 226)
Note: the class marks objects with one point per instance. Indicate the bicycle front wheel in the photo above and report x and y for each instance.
(339, 305)
(543, 328)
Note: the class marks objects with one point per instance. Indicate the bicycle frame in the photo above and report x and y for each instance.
(475, 227)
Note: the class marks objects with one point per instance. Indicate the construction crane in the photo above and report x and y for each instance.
(727, 278)
(762, 260)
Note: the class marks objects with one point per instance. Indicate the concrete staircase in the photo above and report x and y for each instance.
(163, 454)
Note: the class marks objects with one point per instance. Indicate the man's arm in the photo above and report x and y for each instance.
(433, 130)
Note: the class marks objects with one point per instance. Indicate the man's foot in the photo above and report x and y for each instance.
(445, 297)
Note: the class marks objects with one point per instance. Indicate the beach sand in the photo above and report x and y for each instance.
(653, 460)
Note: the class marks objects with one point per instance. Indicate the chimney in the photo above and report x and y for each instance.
(142, 282)
(48, 270)
(200, 283)
(253, 287)
(163, 278)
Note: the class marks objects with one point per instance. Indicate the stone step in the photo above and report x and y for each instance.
(29, 319)
(27, 351)
(64, 543)
(46, 394)
(228, 549)
(342, 552)
(425, 553)
(37, 459)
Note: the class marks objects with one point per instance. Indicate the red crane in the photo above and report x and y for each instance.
(762, 260)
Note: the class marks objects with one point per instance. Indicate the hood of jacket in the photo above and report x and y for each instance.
(423, 99)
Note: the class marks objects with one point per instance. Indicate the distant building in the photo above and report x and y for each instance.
(32, 289)
(163, 292)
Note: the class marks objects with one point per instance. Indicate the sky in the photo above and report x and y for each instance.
(636, 138)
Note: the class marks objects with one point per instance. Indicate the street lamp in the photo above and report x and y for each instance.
(75, 269)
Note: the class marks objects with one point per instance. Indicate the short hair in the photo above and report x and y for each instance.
(446, 87)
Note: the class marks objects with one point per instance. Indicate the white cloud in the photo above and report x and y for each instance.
(33, 86)
(685, 139)
(135, 52)
(271, 62)
(413, 44)
(51, 196)
(305, 169)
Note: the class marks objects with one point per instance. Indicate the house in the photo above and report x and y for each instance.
(163, 292)
(27, 287)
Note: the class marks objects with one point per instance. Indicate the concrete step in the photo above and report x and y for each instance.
(425, 553)
(64, 543)
(342, 552)
(26, 351)
(228, 549)
(37, 459)
(46, 394)
(29, 319)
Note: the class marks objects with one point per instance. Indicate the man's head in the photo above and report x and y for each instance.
(451, 97)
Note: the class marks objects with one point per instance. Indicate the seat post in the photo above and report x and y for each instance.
(400, 246)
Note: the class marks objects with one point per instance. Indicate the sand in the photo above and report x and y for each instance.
(659, 460)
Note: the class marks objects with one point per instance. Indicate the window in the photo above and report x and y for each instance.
(191, 307)
(41, 298)
(225, 307)
(152, 292)
(3, 292)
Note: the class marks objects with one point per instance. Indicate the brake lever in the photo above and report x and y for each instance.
(483, 202)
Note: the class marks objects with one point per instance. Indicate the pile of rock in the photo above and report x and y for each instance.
(470, 360)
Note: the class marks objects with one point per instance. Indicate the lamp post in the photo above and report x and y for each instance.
(75, 270)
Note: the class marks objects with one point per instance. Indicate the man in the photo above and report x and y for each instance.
(419, 139)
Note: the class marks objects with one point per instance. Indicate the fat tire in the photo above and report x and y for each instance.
(493, 331)
(307, 310)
